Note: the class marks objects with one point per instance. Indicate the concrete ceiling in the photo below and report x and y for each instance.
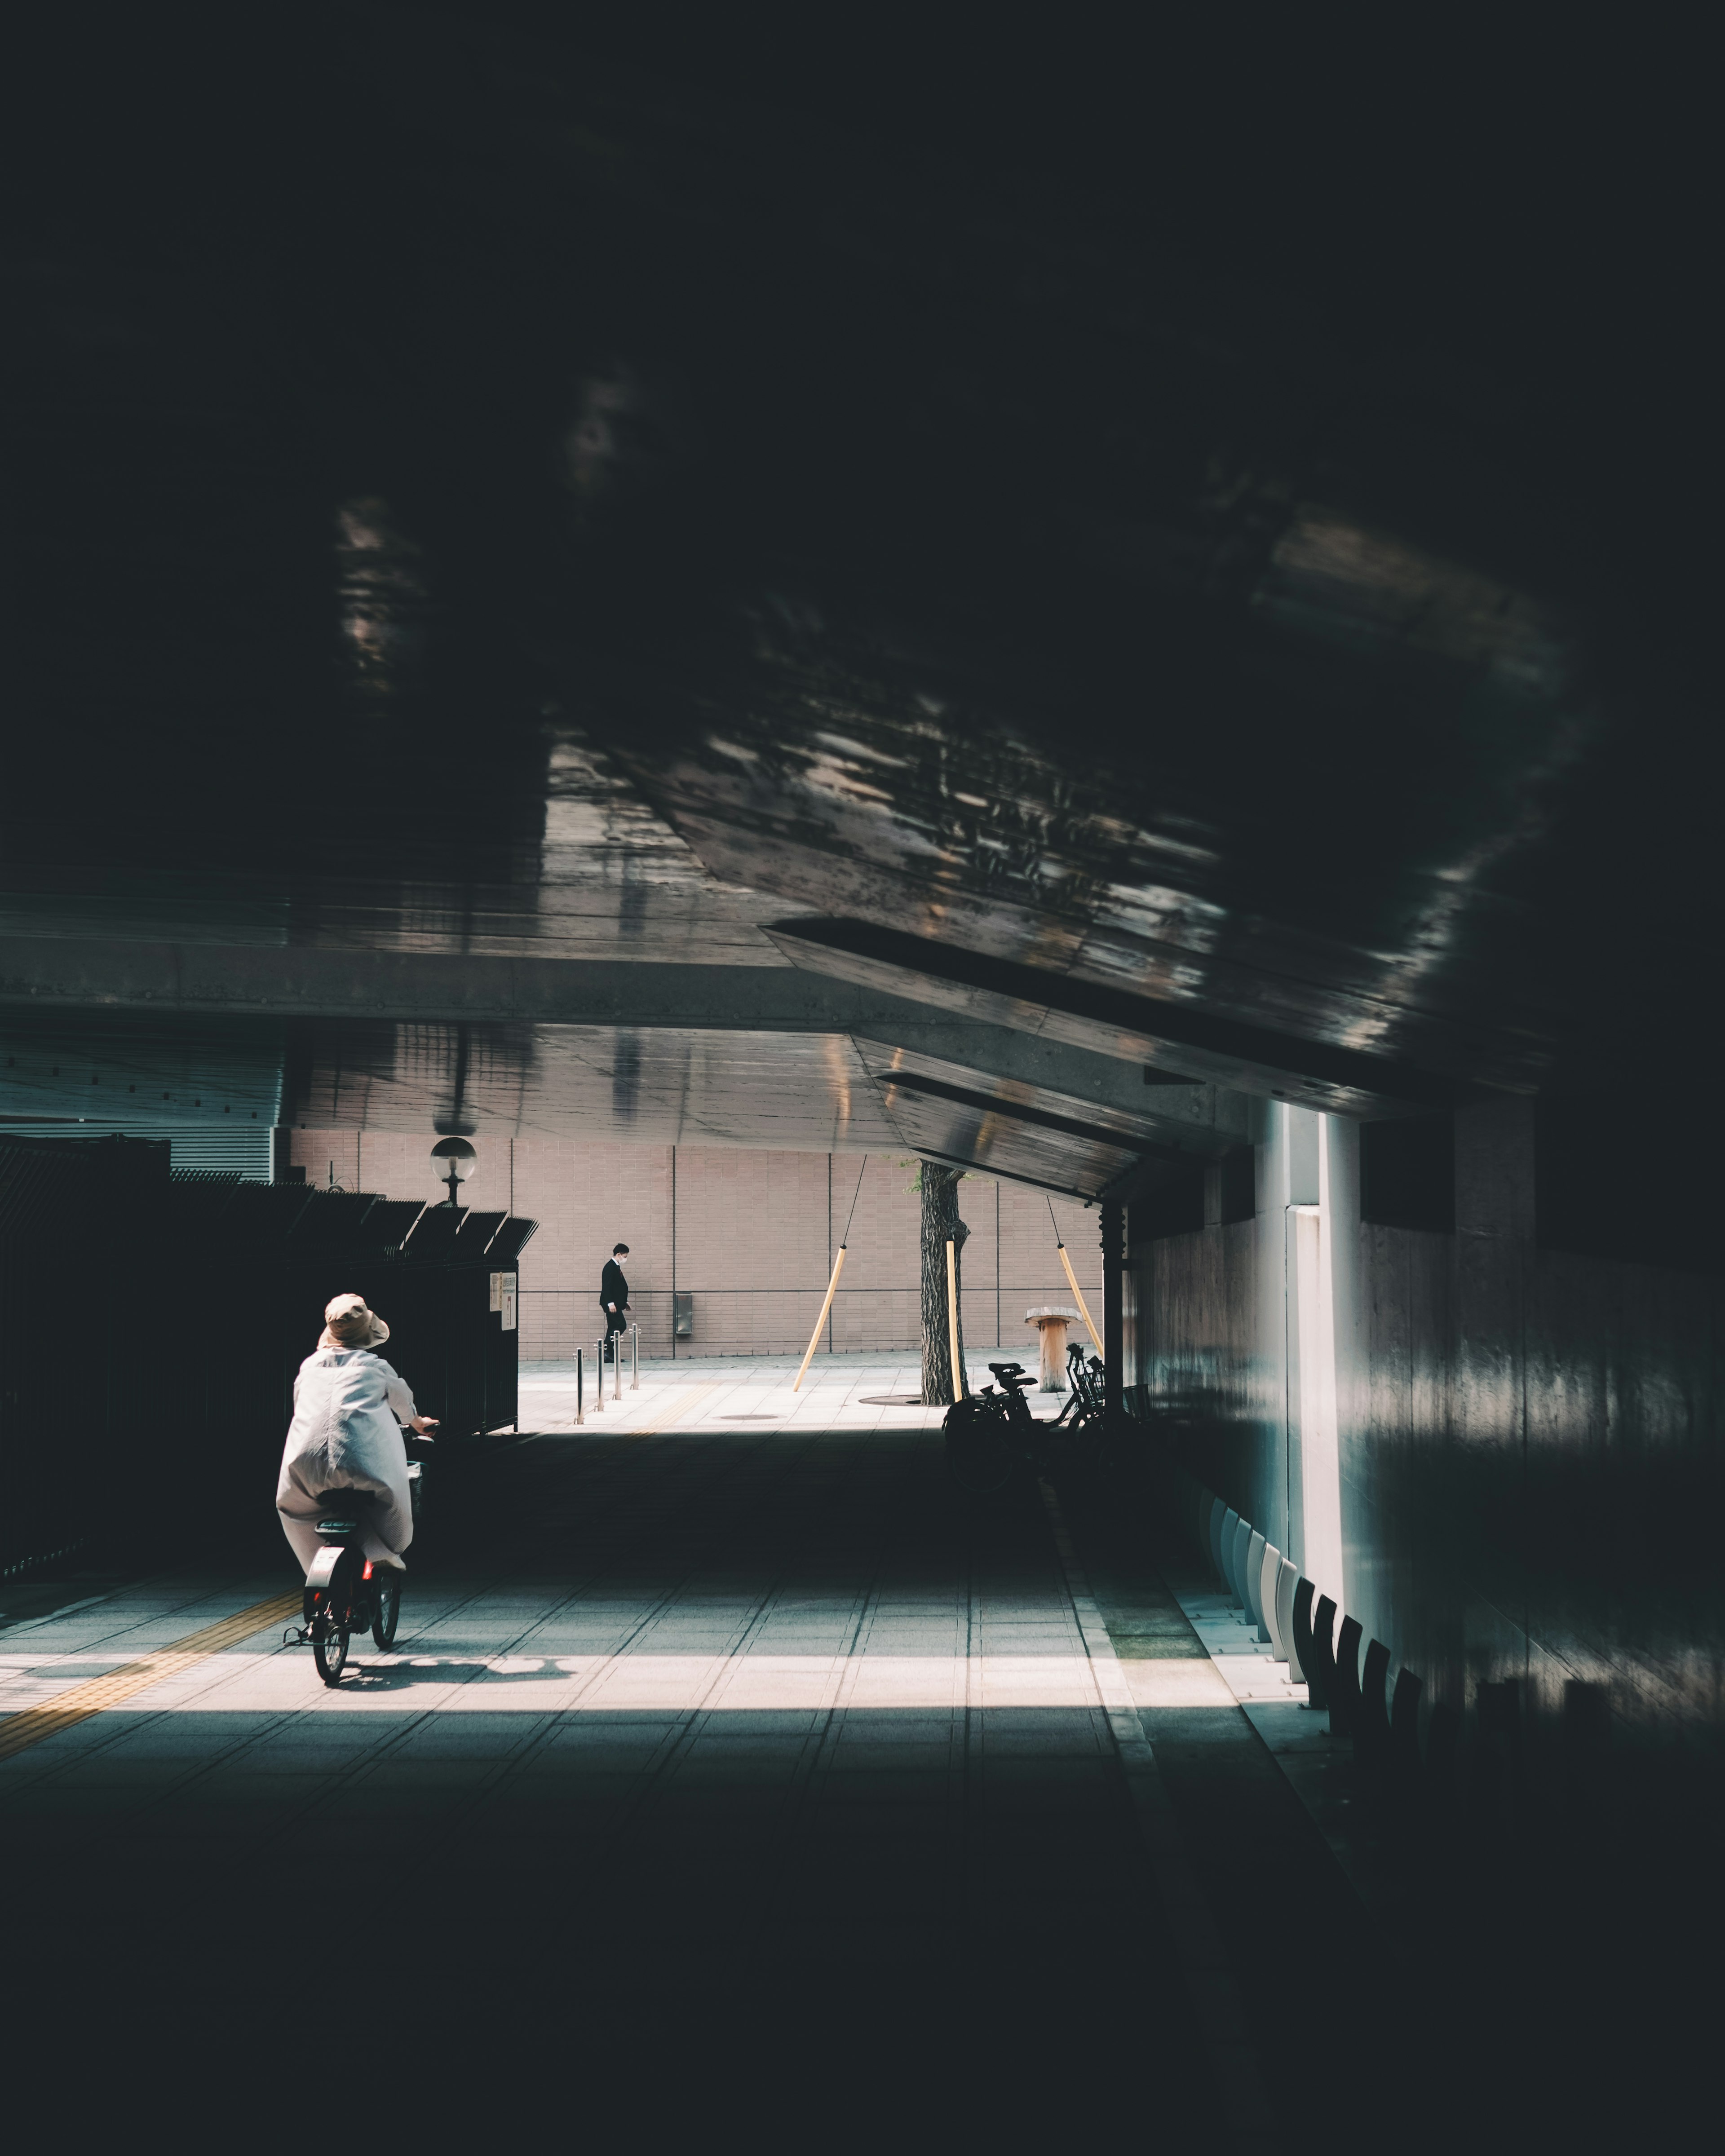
(710, 609)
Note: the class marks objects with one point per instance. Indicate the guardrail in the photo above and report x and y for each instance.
(769, 1321)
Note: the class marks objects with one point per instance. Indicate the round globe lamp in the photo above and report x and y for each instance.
(453, 1160)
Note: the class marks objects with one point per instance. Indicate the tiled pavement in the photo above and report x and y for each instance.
(738, 1738)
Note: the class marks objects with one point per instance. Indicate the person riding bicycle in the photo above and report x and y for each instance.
(348, 1405)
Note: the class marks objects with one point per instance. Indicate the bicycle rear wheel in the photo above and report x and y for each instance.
(1098, 1458)
(981, 1457)
(385, 1609)
(331, 1655)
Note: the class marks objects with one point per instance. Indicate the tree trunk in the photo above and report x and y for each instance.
(941, 1225)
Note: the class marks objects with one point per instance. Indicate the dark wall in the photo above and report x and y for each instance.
(1523, 1449)
(77, 1359)
(1197, 1310)
(152, 1324)
(1534, 1426)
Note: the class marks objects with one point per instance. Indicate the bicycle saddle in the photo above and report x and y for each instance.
(338, 1506)
(1012, 1375)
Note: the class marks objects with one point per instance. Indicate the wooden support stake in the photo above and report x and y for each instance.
(838, 1268)
(1078, 1298)
(952, 1321)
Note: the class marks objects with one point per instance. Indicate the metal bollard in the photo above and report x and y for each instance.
(579, 1374)
(598, 1390)
(635, 1338)
(616, 1365)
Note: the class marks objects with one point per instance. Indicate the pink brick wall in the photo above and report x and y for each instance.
(753, 1239)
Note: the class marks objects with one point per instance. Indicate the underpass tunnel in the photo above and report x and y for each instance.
(725, 629)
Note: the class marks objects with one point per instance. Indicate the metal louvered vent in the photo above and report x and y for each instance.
(242, 1151)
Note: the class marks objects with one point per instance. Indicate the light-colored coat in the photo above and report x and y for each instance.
(345, 1435)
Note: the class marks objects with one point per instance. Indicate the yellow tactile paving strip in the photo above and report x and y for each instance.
(687, 1396)
(18, 1731)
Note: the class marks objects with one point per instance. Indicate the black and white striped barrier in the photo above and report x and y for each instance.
(1321, 1644)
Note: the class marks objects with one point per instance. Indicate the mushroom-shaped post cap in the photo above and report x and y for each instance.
(1052, 1320)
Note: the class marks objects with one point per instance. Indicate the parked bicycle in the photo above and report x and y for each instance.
(992, 1437)
(345, 1593)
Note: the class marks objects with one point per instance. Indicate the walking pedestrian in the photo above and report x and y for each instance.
(614, 1297)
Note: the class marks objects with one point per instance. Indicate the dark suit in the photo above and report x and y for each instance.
(613, 1288)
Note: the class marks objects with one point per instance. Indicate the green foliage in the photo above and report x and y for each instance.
(915, 1184)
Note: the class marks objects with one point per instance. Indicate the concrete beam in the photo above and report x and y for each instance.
(47, 982)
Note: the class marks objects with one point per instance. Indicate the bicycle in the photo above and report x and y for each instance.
(345, 1593)
(991, 1437)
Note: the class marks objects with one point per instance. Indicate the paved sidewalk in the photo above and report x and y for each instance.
(717, 1723)
(839, 1391)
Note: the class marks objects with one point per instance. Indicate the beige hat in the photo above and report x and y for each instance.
(348, 1323)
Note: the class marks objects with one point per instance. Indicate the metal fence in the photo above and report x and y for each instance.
(759, 1320)
(151, 1321)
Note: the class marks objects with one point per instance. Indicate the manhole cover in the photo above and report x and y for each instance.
(748, 1417)
(890, 1400)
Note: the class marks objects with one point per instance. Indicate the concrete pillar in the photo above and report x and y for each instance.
(1113, 1300)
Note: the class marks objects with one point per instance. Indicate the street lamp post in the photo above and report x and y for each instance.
(453, 1160)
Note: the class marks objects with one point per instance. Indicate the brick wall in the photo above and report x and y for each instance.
(755, 1235)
